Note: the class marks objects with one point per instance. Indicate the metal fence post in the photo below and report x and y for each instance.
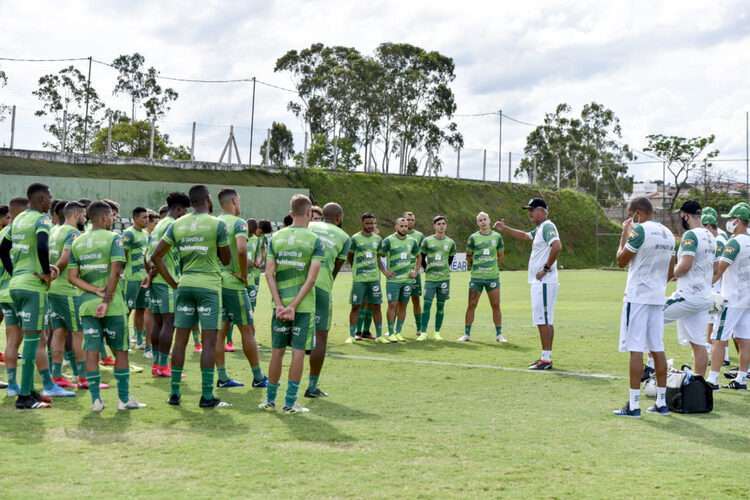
(12, 126)
(151, 147)
(458, 163)
(268, 148)
(484, 166)
(192, 144)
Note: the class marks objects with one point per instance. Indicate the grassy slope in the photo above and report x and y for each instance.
(396, 429)
(389, 196)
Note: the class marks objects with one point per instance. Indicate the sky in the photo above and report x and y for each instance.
(670, 67)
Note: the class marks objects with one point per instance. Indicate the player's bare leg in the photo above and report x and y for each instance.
(471, 307)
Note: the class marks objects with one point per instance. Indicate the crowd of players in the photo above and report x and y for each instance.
(70, 283)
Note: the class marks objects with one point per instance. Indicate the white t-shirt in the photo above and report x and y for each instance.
(542, 238)
(701, 245)
(721, 241)
(653, 245)
(735, 285)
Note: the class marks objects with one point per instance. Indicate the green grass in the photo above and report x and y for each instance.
(394, 428)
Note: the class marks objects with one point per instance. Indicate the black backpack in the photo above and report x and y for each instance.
(691, 395)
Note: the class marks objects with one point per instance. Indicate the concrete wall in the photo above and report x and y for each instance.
(259, 202)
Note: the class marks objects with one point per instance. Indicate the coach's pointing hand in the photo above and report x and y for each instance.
(500, 225)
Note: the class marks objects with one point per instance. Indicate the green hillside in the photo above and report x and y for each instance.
(388, 196)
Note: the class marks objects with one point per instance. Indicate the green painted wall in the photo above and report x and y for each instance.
(260, 202)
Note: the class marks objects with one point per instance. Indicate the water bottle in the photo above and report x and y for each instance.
(688, 374)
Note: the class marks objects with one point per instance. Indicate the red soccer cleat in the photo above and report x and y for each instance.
(198, 348)
(2, 357)
(155, 370)
(83, 384)
(165, 371)
(64, 383)
(108, 361)
(229, 347)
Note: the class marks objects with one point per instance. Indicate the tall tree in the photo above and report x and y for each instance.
(63, 99)
(142, 85)
(280, 146)
(133, 139)
(681, 156)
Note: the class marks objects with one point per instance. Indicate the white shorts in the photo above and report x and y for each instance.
(734, 322)
(692, 316)
(642, 328)
(543, 299)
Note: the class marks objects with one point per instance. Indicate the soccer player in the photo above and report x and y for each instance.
(204, 246)
(317, 214)
(710, 219)
(236, 308)
(646, 247)
(97, 261)
(484, 255)
(253, 278)
(402, 259)
(135, 242)
(363, 257)
(733, 267)
(25, 255)
(335, 243)
(162, 295)
(416, 289)
(694, 272)
(64, 298)
(294, 259)
(437, 252)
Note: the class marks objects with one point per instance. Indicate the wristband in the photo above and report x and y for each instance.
(546, 268)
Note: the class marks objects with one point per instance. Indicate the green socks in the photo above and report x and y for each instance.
(229, 335)
(46, 379)
(257, 373)
(313, 382)
(176, 380)
(123, 382)
(498, 330)
(439, 315)
(81, 368)
(467, 330)
(94, 379)
(291, 393)
(367, 320)
(223, 376)
(196, 335)
(139, 336)
(207, 383)
(102, 350)
(70, 357)
(352, 330)
(418, 321)
(425, 316)
(30, 343)
(271, 392)
(11, 376)
(399, 326)
(56, 370)
(391, 329)
(379, 329)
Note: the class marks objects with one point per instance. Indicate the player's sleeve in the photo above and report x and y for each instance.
(318, 253)
(731, 251)
(415, 248)
(222, 237)
(270, 254)
(384, 247)
(470, 245)
(344, 250)
(532, 233)
(68, 243)
(453, 248)
(689, 244)
(500, 243)
(42, 225)
(73, 264)
(636, 239)
(117, 252)
(423, 247)
(352, 245)
(549, 233)
(127, 239)
(169, 235)
(719, 248)
(240, 229)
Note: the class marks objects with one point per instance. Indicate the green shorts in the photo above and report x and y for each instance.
(323, 310)
(366, 292)
(64, 312)
(440, 288)
(9, 314)
(398, 292)
(236, 307)
(161, 298)
(135, 295)
(252, 293)
(111, 328)
(194, 305)
(416, 288)
(31, 309)
(478, 285)
(297, 334)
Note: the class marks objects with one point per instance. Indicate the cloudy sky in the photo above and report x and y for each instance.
(672, 67)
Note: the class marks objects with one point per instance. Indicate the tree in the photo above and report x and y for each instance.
(63, 99)
(133, 139)
(681, 156)
(321, 154)
(592, 158)
(281, 145)
(142, 86)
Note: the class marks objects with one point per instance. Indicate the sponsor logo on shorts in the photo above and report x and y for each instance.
(90, 331)
(444, 285)
(279, 329)
(186, 309)
(109, 333)
(407, 289)
(25, 315)
(206, 311)
(493, 284)
(354, 297)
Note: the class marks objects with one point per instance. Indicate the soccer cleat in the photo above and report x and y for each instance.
(141, 346)
(725, 363)
(13, 390)
(63, 382)
(135, 368)
(358, 337)
(155, 370)
(315, 393)
(659, 410)
(83, 384)
(165, 371)
(198, 348)
(132, 404)
(367, 336)
(736, 386)
(349, 340)
(213, 403)
(31, 403)
(421, 337)
(229, 347)
(260, 384)
(437, 336)
(290, 410)
(464, 338)
(399, 338)
(713, 387)
(108, 361)
(2, 357)
(267, 406)
(57, 392)
(174, 399)
(228, 384)
(648, 372)
(540, 364)
(732, 373)
(383, 339)
(148, 354)
(625, 411)
(97, 406)
(500, 339)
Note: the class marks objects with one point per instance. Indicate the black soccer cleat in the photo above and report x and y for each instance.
(540, 364)
(213, 403)
(30, 403)
(648, 372)
(315, 393)
(174, 400)
(713, 387)
(731, 374)
(736, 386)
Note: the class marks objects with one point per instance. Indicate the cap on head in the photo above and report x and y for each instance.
(739, 211)
(691, 207)
(535, 203)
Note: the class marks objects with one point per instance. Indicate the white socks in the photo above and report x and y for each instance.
(741, 377)
(546, 355)
(650, 363)
(635, 399)
(713, 377)
(661, 396)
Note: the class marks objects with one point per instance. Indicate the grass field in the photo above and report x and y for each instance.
(419, 420)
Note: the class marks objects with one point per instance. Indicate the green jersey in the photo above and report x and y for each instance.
(335, 243)
(172, 257)
(23, 235)
(92, 254)
(365, 251)
(437, 253)
(253, 247)
(135, 242)
(236, 229)
(197, 237)
(61, 239)
(4, 275)
(293, 249)
(401, 255)
(485, 248)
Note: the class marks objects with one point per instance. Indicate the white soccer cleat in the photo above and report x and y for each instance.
(132, 404)
(97, 406)
(500, 339)
(464, 338)
(291, 410)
